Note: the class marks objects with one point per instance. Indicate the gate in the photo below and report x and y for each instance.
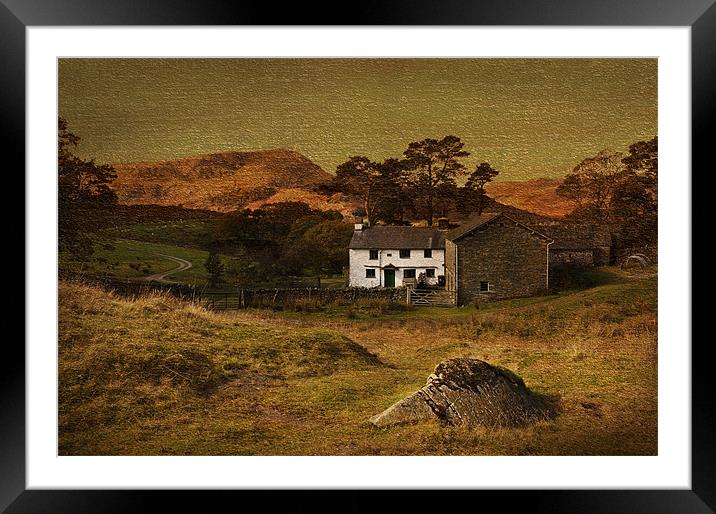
(434, 297)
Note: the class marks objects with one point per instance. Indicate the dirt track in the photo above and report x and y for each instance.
(160, 277)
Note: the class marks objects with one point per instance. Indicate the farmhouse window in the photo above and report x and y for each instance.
(405, 254)
(409, 273)
(485, 287)
(430, 273)
(373, 255)
(370, 273)
(428, 254)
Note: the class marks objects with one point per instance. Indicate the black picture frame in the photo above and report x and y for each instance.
(17, 15)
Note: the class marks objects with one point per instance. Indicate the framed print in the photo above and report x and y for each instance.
(417, 252)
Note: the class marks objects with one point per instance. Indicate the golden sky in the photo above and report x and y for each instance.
(529, 118)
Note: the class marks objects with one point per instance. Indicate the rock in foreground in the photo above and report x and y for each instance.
(469, 392)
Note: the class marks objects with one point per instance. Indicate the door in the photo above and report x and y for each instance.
(389, 276)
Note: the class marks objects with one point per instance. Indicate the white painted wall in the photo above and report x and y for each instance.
(359, 261)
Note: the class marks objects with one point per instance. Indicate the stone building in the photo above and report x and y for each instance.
(493, 256)
(488, 257)
(576, 244)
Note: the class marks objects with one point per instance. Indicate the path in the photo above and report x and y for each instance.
(159, 277)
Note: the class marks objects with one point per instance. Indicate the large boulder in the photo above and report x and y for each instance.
(469, 392)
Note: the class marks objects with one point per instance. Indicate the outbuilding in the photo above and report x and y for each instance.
(493, 256)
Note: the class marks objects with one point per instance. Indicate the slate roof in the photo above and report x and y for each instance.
(478, 221)
(381, 237)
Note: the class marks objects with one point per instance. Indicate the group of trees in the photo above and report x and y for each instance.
(84, 194)
(287, 238)
(618, 191)
(422, 184)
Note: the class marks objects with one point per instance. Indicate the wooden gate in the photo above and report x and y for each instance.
(434, 297)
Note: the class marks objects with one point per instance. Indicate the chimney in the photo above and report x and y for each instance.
(358, 225)
(443, 224)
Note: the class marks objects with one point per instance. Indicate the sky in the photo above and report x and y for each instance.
(529, 118)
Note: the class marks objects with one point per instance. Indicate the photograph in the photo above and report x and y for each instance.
(357, 256)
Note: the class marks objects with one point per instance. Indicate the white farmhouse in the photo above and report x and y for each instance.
(392, 256)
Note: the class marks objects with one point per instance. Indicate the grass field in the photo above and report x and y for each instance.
(137, 259)
(123, 258)
(192, 233)
(154, 376)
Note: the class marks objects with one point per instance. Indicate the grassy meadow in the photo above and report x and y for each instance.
(130, 259)
(154, 376)
(134, 251)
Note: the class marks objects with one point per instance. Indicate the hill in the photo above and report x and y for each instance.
(227, 181)
(152, 375)
(224, 181)
(538, 196)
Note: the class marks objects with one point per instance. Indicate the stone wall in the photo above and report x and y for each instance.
(578, 258)
(239, 298)
(450, 248)
(285, 298)
(508, 256)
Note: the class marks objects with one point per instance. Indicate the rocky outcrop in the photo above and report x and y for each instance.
(470, 393)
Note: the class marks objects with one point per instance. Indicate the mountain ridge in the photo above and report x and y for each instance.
(223, 181)
(233, 180)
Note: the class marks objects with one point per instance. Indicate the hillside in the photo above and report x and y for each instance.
(537, 195)
(156, 376)
(219, 182)
(227, 181)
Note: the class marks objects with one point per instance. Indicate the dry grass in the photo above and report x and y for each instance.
(155, 376)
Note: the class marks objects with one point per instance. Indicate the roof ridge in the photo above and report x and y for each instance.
(483, 219)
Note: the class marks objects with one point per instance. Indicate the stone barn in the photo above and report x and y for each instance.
(577, 245)
(493, 256)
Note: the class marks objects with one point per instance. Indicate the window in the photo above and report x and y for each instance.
(485, 287)
(370, 273)
(430, 273)
(409, 273)
(373, 255)
(405, 254)
(428, 254)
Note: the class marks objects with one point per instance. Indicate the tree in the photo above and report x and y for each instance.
(84, 194)
(241, 270)
(642, 162)
(634, 205)
(378, 184)
(591, 186)
(215, 268)
(473, 195)
(618, 191)
(435, 165)
(358, 176)
(390, 192)
(321, 249)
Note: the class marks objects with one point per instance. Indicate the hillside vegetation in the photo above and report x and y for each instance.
(223, 182)
(155, 376)
(537, 195)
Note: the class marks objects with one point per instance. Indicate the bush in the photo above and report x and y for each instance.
(377, 307)
(306, 305)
